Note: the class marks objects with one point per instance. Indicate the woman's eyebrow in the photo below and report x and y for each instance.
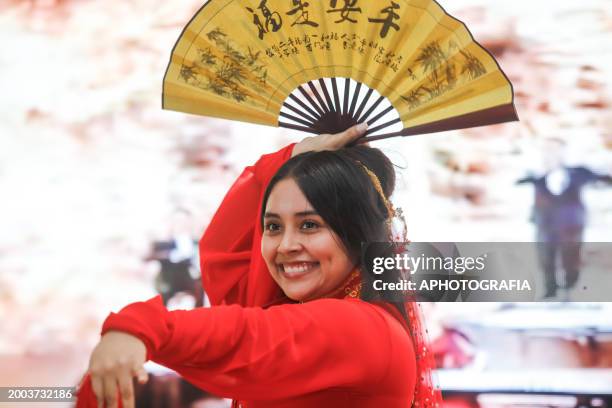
(307, 213)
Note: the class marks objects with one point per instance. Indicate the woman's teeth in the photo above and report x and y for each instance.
(298, 269)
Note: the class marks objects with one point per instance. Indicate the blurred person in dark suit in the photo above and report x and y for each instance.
(559, 213)
(179, 272)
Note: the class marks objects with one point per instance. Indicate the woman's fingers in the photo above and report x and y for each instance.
(98, 388)
(350, 135)
(110, 389)
(141, 374)
(116, 381)
(331, 142)
(126, 387)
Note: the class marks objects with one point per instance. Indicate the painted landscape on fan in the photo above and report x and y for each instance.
(322, 66)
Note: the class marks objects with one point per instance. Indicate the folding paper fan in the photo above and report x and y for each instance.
(404, 66)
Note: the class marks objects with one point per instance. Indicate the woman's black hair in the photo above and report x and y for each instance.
(343, 194)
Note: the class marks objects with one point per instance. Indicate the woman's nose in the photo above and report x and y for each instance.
(290, 242)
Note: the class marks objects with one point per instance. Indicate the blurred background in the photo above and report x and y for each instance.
(104, 195)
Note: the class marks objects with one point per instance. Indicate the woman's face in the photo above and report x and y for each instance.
(304, 256)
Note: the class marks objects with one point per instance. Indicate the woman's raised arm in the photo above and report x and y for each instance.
(233, 235)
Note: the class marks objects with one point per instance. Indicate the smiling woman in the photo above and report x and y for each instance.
(304, 256)
(290, 324)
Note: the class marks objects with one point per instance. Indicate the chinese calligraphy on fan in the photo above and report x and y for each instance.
(323, 42)
(267, 19)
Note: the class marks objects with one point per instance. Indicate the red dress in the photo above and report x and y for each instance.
(256, 347)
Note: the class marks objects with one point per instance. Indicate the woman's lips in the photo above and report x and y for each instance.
(295, 270)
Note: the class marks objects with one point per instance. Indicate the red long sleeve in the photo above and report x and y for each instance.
(281, 352)
(230, 248)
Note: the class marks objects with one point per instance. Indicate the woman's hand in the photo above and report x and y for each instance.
(117, 358)
(330, 142)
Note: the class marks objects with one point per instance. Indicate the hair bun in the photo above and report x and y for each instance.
(375, 160)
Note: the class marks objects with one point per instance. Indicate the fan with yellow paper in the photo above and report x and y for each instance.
(405, 67)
